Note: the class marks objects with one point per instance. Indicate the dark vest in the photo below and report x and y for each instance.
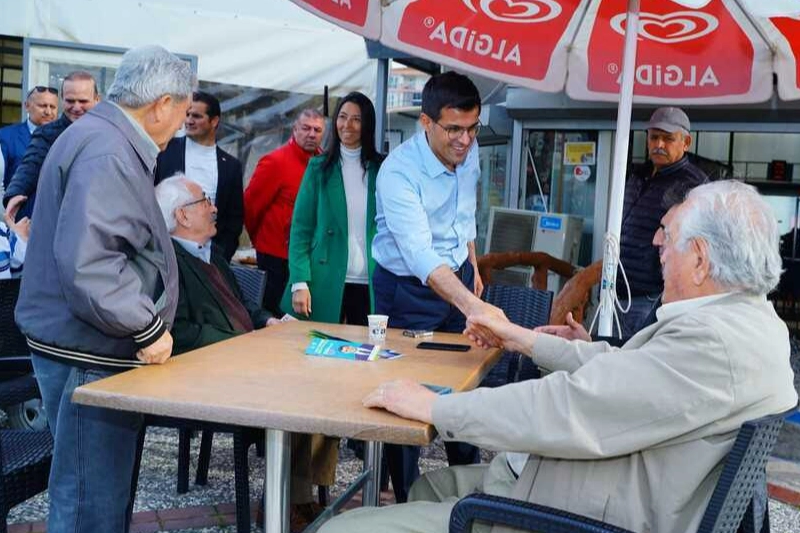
(647, 200)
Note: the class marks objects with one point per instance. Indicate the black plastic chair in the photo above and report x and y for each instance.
(14, 350)
(738, 503)
(525, 307)
(252, 282)
(25, 455)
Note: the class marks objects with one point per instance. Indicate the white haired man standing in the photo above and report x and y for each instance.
(633, 436)
(101, 282)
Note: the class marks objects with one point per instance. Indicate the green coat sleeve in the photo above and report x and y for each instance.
(304, 223)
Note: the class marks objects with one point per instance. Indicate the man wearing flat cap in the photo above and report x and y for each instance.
(650, 190)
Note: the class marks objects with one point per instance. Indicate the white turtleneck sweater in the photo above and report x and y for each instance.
(201, 167)
(355, 192)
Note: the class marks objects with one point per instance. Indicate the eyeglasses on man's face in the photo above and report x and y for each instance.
(205, 199)
(456, 132)
(42, 89)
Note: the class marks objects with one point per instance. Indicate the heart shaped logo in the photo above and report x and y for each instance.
(671, 28)
(516, 11)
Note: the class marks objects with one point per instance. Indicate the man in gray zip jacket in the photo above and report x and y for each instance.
(101, 282)
(633, 436)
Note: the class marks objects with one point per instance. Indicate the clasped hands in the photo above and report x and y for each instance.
(488, 327)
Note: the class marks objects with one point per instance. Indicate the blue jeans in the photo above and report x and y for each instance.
(94, 456)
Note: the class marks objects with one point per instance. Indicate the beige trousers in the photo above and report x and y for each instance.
(314, 459)
(431, 499)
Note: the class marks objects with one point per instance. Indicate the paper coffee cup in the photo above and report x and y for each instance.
(377, 327)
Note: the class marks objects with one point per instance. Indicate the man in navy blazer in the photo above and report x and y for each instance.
(216, 171)
(41, 104)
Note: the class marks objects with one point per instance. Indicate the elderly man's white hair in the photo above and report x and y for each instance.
(149, 72)
(741, 232)
(171, 194)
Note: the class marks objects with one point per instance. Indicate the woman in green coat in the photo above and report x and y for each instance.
(330, 255)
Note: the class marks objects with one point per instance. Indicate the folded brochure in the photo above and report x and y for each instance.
(355, 351)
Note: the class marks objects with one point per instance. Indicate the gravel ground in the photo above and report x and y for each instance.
(159, 474)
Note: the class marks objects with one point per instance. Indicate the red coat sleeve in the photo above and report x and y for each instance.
(260, 193)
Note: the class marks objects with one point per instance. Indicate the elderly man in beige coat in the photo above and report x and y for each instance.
(633, 436)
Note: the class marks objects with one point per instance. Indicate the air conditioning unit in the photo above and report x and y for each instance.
(518, 230)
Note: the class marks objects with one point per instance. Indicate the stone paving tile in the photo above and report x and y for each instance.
(224, 508)
(39, 527)
(145, 527)
(186, 512)
(188, 522)
(783, 479)
(19, 528)
(784, 494)
(228, 519)
(144, 517)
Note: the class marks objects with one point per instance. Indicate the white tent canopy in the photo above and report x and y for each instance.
(268, 44)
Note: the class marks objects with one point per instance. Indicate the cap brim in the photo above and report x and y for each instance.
(666, 126)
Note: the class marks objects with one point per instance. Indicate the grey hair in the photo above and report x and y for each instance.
(740, 231)
(171, 194)
(149, 72)
(308, 112)
(79, 75)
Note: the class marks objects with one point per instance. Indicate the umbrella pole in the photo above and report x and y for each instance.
(381, 118)
(619, 167)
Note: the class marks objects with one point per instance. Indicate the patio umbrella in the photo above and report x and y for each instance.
(646, 51)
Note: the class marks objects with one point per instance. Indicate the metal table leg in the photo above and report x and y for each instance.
(278, 452)
(373, 452)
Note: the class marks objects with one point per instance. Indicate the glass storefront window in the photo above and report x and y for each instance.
(50, 61)
(491, 188)
(565, 163)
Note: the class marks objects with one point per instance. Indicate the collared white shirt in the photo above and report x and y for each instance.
(200, 251)
(201, 167)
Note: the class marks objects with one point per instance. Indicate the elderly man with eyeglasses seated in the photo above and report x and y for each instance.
(211, 307)
(634, 436)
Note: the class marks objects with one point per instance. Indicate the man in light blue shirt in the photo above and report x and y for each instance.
(426, 273)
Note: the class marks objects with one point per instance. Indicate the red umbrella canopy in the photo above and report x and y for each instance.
(689, 51)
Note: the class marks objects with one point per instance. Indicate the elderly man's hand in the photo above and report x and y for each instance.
(572, 331)
(507, 335)
(158, 352)
(482, 335)
(405, 398)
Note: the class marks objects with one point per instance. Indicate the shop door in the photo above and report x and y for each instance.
(560, 177)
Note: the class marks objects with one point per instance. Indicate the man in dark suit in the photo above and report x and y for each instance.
(211, 308)
(216, 171)
(41, 104)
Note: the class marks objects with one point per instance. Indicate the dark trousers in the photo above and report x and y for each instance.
(412, 305)
(355, 304)
(277, 270)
